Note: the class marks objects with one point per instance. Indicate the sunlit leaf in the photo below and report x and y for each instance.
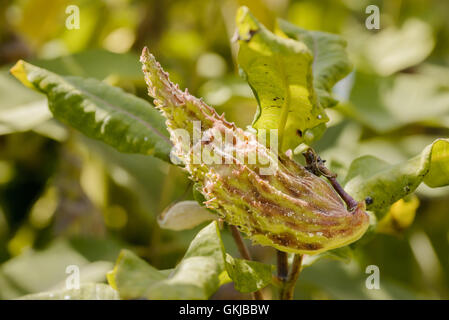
(23, 117)
(42, 270)
(197, 276)
(279, 71)
(20, 109)
(330, 61)
(400, 216)
(344, 254)
(393, 49)
(95, 63)
(100, 111)
(132, 276)
(248, 276)
(387, 103)
(382, 184)
(338, 280)
(91, 291)
(184, 215)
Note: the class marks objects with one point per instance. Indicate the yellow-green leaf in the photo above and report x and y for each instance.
(197, 276)
(100, 111)
(88, 291)
(279, 71)
(400, 216)
(330, 61)
(248, 276)
(382, 184)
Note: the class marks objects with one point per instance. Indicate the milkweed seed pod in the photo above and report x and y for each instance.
(273, 200)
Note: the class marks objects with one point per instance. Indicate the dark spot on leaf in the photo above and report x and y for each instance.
(235, 37)
(369, 200)
(251, 34)
(299, 133)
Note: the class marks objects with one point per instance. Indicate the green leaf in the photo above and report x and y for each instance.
(385, 184)
(184, 215)
(279, 71)
(437, 155)
(23, 110)
(88, 291)
(330, 63)
(346, 281)
(400, 216)
(204, 268)
(392, 49)
(132, 276)
(43, 270)
(197, 276)
(20, 109)
(100, 111)
(95, 63)
(248, 276)
(387, 103)
(343, 254)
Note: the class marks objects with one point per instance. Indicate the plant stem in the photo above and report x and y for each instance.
(289, 286)
(243, 250)
(244, 253)
(282, 271)
(350, 202)
(316, 165)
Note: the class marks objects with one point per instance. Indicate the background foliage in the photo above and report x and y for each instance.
(66, 199)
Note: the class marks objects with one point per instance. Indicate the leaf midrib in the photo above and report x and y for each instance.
(116, 108)
(286, 105)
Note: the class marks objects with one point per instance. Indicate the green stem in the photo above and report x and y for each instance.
(244, 253)
(282, 271)
(289, 286)
(316, 165)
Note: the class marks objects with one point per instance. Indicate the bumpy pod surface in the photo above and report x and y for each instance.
(289, 208)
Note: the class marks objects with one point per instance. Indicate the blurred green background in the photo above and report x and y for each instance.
(66, 199)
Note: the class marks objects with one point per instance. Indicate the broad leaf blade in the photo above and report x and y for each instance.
(23, 110)
(197, 276)
(100, 111)
(330, 61)
(392, 49)
(90, 291)
(438, 159)
(95, 63)
(279, 71)
(248, 276)
(132, 276)
(184, 215)
(343, 254)
(385, 184)
(400, 216)
(387, 103)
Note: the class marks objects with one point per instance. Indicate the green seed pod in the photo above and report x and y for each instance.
(273, 200)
